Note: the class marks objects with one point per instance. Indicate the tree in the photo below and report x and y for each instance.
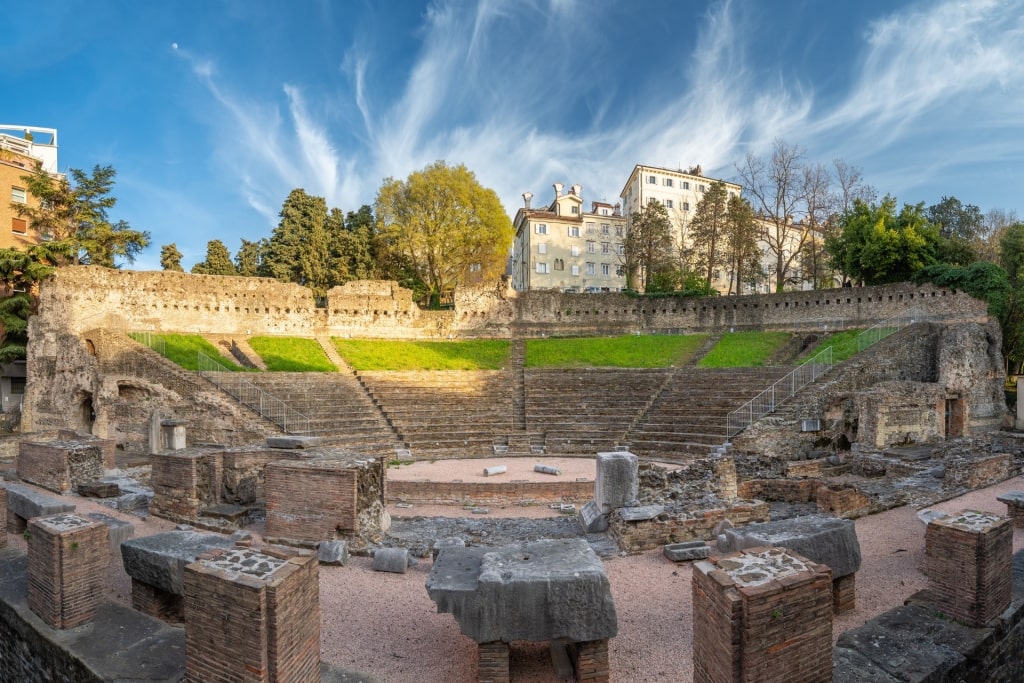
(708, 229)
(77, 214)
(170, 258)
(1011, 258)
(879, 246)
(961, 226)
(444, 224)
(353, 244)
(648, 249)
(249, 259)
(777, 189)
(218, 261)
(20, 274)
(298, 249)
(742, 254)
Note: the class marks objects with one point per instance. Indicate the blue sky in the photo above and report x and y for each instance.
(212, 111)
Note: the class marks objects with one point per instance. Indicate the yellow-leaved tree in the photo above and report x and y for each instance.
(445, 227)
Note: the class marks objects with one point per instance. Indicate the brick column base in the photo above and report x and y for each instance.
(844, 594)
(591, 661)
(1015, 512)
(493, 664)
(15, 524)
(157, 603)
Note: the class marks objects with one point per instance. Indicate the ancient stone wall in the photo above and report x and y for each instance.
(85, 297)
(503, 493)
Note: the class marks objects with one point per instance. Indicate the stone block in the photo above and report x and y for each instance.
(591, 519)
(3, 517)
(617, 482)
(160, 560)
(546, 469)
(538, 591)
(118, 530)
(294, 441)
(1014, 501)
(640, 513)
(394, 560)
(820, 538)
(24, 503)
(442, 544)
(332, 552)
(690, 550)
(99, 489)
(60, 466)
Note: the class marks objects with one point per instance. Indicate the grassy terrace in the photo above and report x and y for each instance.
(292, 354)
(744, 349)
(484, 354)
(649, 351)
(183, 349)
(844, 345)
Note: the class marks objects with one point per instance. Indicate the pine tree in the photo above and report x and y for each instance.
(707, 231)
(170, 258)
(218, 261)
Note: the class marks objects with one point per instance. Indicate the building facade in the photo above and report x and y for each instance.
(566, 248)
(21, 149)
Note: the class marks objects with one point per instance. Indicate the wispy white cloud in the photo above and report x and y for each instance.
(508, 89)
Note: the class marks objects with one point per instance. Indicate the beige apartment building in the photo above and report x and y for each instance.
(566, 248)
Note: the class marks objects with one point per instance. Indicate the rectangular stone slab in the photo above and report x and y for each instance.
(27, 503)
(159, 560)
(819, 538)
(537, 591)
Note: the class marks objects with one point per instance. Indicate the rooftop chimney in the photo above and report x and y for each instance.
(576, 190)
(558, 189)
(527, 196)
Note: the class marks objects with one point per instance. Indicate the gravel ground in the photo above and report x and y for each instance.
(386, 626)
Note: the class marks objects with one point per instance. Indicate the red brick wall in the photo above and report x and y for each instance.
(3, 517)
(635, 537)
(976, 472)
(591, 661)
(778, 630)
(59, 466)
(157, 603)
(183, 483)
(505, 493)
(969, 570)
(492, 665)
(264, 629)
(310, 501)
(66, 569)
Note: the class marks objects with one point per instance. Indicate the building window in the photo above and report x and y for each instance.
(542, 248)
(591, 228)
(474, 267)
(575, 249)
(19, 195)
(686, 185)
(604, 212)
(575, 209)
(541, 228)
(668, 182)
(606, 269)
(19, 226)
(686, 206)
(620, 249)
(575, 269)
(651, 180)
(605, 228)
(559, 264)
(620, 271)
(574, 231)
(668, 203)
(606, 248)
(591, 247)
(703, 188)
(591, 269)
(542, 268)
(618, 231)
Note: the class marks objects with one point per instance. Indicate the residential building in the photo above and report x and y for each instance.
(21, 149)
(564, 247)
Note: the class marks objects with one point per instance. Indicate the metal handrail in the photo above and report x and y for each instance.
(778, 392)
(771, 398)
(251, 396)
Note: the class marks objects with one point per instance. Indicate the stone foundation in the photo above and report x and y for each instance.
(68, 557)
(157, 603)
(765, 614)
(249, 612)
(60, 466)
(844, 594)
(975, 472)
(1014, 501)
(968, 560)
(676, 527)
(3, 517)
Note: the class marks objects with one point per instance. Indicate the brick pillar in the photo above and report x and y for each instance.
(157, 603)
(762, 614)
(968, 559)
(1014, 507)
(250, 616)
(844, 593)
(3, 517)
(68, 557)
(493, 662)
(590, 659)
